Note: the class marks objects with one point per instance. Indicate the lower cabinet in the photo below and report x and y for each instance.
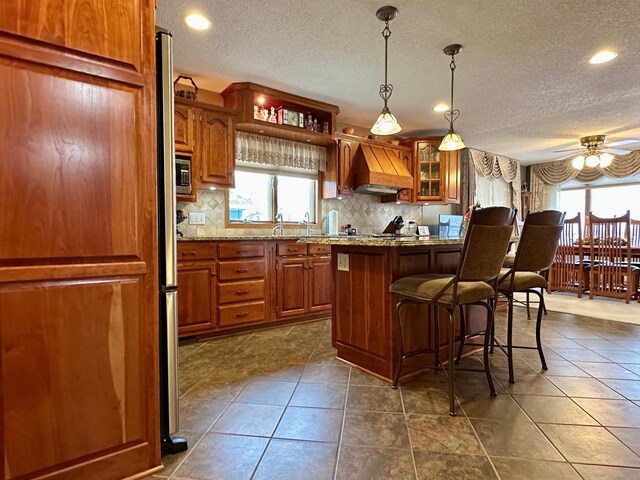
(303, 282)
(233, 284)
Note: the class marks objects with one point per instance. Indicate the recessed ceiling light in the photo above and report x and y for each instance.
(441, 107)
(197, 21)
(603, 57)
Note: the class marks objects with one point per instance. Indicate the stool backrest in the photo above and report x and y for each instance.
(539, 241)
(486, 243)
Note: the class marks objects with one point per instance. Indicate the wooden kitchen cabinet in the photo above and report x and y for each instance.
(337, 181)
(303, 282)
(405, 195)
(436, 174)
(196, 298)
(216, 154)
(184, 127)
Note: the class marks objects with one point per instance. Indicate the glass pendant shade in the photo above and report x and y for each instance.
(386, 124)
(592, 161)
(451, 141)
(578, 162)
(605, 160)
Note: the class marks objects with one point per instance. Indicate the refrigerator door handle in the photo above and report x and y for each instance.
(168, 162)
(172, 362)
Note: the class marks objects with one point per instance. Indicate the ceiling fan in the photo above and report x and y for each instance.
(594, 152)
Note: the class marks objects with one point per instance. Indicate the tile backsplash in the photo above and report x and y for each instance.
(364, 212)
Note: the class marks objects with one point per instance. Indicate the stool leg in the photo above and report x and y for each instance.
(396, 377)
(544, 307)
(510, 338)
(493, 325)
(487, 337)
(463, 334)
(538, 326)
(528, 307)
(452, 336)
(436, 340)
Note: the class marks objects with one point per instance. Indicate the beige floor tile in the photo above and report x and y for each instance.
(627, 388)
(595, 472)
(554, 410)
(291, 459)
(499, 407)
(447, 466)
(375, 429)
(373, 399)
(267, 392)
(580, 444)
(325, 374)
(523, 469)
(320, 395)
(249, 419)
(612, 413)
(199, 414)
(443, 433)
(313, 424)
(370, 463)
(629, 436)
(583, 387)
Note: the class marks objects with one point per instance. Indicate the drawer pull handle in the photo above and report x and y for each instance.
(292, 249)
(189, 253)
(242, 292)
(243, 314)
(242, 270)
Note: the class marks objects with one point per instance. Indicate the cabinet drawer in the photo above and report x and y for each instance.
(241, 269)
(189, 251)
(240, 250)
(319, 249)
(290, 248)
(238, 314)
(240, 291)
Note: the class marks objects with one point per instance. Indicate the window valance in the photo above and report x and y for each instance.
(254, 148)
(556, 173)
(488, 164)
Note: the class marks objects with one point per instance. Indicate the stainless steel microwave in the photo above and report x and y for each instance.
(183, 175)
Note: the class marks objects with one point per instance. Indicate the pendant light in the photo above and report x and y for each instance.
(386, 124)
(452, 140)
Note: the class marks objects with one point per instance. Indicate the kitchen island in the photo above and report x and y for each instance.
(364, 329)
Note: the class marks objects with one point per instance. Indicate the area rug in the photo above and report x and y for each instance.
(600, 307)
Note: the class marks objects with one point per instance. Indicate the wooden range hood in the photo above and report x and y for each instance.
(379, 171)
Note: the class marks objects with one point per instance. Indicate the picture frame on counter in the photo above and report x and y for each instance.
(423, 230)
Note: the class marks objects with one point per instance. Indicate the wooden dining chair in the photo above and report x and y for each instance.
(612, 271)
(634, 237)
(569, 272)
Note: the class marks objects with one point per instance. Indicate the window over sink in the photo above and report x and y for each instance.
(260, 195)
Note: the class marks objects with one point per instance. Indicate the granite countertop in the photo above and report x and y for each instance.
(218, 238)
(361, 240)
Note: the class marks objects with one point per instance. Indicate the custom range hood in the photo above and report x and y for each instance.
(379, 171)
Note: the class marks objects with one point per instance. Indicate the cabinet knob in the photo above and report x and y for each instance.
(242, 292)
(242, 270)
(191, 254)
(242, 314)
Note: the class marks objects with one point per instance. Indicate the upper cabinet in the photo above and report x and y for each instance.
(280, 114)
(206, 134)
(436, 174)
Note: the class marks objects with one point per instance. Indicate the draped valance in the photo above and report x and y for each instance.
(556, 173)
(254, 148)
(488, 164)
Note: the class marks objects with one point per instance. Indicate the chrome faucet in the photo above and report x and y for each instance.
(307, 223)
(280, 226)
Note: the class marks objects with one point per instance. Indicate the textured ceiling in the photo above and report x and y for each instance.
(523, 82)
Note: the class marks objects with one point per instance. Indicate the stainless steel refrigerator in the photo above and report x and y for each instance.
(168, 281)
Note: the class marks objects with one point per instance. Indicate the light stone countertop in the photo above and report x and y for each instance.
(219, 238)
(382, 242)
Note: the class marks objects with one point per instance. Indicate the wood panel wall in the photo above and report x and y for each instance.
(78, 268)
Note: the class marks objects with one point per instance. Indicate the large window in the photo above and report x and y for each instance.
(603, 200)
(260, 197)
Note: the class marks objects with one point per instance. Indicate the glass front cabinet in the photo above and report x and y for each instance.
(436, 174)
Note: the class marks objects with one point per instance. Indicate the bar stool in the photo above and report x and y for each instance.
(534, 256)
(474, 283)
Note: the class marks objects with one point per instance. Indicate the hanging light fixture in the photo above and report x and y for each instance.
(592, 157)
(452, 141)
(386, 124)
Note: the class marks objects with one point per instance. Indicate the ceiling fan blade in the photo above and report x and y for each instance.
(568, 150)
(622, 142)
(616, 151)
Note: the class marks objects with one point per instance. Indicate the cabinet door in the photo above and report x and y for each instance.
(290, 286)
(320, 279)
(196, 298)
(217, 148)
(346, 152)
(452, 177)
(429, 173)
(184, 117)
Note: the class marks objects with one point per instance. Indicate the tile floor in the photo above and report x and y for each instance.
(276, 404)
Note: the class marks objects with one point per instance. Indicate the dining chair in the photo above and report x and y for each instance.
(570, 270)
(534, 257)
(634, 237)
(612, 272)
(474, 283)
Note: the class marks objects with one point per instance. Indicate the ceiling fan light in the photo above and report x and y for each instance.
(386, 124)
(592, 161)
(451, 141)
(578, 162)
(605, 160)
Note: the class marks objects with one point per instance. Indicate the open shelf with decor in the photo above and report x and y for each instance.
(280, 114)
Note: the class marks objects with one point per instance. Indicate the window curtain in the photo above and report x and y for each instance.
(261, 149)
(547, 178)
(489, 178)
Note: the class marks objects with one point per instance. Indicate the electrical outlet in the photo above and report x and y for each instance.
(343, 262)
(196, 218)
